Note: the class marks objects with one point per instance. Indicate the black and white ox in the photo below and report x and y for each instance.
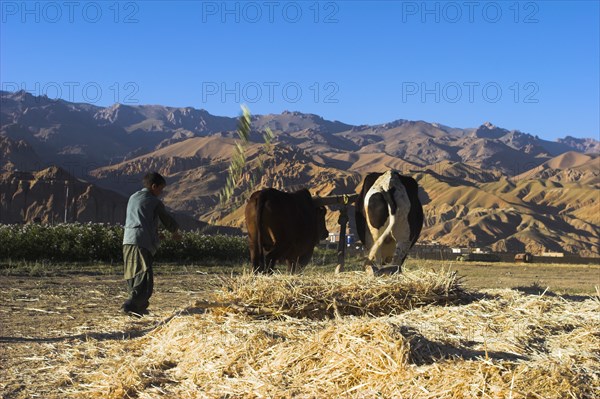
(389, 218)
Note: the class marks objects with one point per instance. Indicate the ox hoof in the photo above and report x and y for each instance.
(371, 270)
(389, 270)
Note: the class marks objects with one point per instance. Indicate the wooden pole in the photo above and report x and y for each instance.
(66, 199)
(341, 250)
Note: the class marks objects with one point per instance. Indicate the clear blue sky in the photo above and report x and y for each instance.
(532, 66)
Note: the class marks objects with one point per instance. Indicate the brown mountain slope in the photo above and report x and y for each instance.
(199, 153)
(196, 171)
(532, 215)
(17, 155)
(464, 205)
(289, 122)
(365, 162)
(461, 171)
(473, 184)
(43, 195)
(568, 160)
(568, 167)
(65, 133)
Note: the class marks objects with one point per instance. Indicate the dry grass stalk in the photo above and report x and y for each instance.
(329, 295)
(504, 345)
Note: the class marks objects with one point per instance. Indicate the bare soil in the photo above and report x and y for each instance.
(532, 278)
(41, 316)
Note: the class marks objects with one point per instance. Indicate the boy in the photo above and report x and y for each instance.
(141, 241)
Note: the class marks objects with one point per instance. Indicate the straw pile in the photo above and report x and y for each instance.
(502, 345)
(336, 295)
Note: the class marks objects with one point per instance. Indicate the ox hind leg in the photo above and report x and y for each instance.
(297, 265)
(258, 263)
(291, 266)
(294, 265)
(271, 258)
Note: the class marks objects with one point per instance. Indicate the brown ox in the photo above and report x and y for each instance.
(283, 226)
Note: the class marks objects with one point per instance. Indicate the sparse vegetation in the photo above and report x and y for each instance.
(238, 161)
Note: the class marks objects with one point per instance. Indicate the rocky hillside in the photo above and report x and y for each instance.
(537, 211)
(533, 215)
(88, 136)
(52, 195)
(484, 186)
(18, 155)
(44, 195)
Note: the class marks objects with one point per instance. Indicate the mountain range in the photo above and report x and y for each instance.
(483, 186)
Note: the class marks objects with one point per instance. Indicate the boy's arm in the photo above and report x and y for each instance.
(166, 219)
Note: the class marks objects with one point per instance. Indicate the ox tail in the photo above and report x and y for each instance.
(392, 207)
(259, 244)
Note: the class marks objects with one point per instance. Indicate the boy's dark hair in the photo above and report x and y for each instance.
(154, 178)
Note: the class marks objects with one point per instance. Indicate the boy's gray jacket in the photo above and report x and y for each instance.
(141, 226)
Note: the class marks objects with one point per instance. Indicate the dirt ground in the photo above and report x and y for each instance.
(532, 278)
(40, 317)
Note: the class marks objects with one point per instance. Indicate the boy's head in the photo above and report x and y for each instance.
(154, 182)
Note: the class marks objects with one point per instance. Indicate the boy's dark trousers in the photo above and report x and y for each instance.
(140, 290)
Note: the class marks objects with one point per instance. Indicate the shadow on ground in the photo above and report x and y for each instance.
(538, 290)
(104, 336)
(424, 351)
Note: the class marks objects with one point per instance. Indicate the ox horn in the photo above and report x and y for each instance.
(343, 199)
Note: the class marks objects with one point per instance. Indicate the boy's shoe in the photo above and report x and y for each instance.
(131, 311)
